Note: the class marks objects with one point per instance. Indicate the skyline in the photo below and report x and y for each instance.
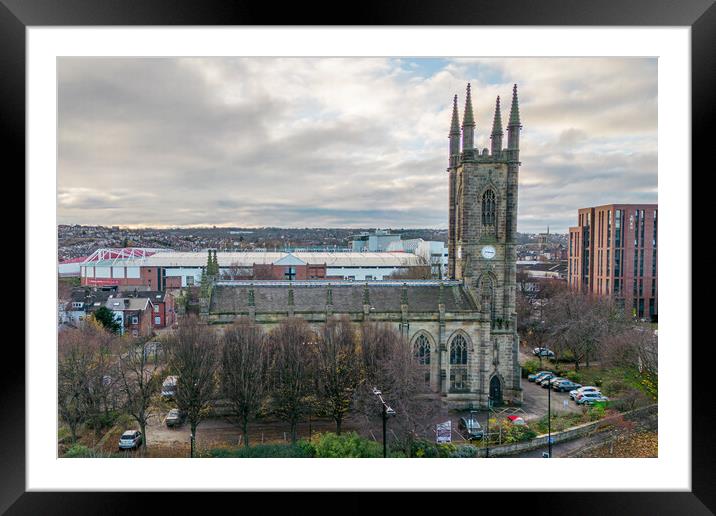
(272, 142)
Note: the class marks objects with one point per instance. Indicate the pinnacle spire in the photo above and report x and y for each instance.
(455, 125)
(497, 122)
(468, 119)
(515, 110)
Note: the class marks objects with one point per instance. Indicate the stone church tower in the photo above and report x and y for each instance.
(482, 231)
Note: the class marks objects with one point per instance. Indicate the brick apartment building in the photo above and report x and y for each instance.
(613, 251)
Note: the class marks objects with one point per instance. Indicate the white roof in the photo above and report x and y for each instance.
(247, 259)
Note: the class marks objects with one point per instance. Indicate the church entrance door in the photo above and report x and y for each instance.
(496, 390)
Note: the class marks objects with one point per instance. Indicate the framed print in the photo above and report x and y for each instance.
(280, 244)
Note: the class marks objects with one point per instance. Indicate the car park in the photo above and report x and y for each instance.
(470, 427)
(130, 439)
(543, 352)
(589, 388)
(565, 385)
(175, 417)
(531, 377)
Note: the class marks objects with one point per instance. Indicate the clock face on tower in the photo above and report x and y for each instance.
(488, 252)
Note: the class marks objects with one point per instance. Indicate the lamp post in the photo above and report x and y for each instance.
(386, 411)
(489, 406)
(549, 419)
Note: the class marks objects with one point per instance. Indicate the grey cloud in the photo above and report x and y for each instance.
(348, 142)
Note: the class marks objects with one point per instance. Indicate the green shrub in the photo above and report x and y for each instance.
(464, 451)
(574, 376)
(80, 451)
(263, 451)
(530, 366)
(445, 449)
(307, 448)
(421, 448)
(596, 412)
(350, 444)
(102, 420)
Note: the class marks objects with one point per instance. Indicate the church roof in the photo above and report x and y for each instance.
(346, 298)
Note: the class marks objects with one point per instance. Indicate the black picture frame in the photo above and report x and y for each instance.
(17, 15)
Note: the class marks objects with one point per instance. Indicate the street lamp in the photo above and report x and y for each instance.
(549, 418)
(489, 406)
(387, 411)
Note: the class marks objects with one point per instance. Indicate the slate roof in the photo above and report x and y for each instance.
(346, 298)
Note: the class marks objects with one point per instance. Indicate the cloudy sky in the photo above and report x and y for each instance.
(333, 142)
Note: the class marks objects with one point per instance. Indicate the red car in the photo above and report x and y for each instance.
(516, 420)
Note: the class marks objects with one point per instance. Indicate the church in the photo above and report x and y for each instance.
(463, 329)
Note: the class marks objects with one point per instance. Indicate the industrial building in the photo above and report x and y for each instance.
(159, 269)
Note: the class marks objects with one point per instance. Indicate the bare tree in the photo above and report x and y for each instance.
(416, 272)
(193, 354)
(390, 364)
(579, 323)
(337, 367)
(244, 368)
(636, 348)
(75, 362)
(85, 369)
(291, 371)
(138, 381)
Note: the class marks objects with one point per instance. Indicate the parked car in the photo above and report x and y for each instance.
(543, 352)
(531, 377)
(542, 376)
(566, 385)
(175, 417)
(169, 387)
(516, 420)
(471, 427)
(130, 439)
(589, 388)
(589, 398)
(554, 381)
(544, 381)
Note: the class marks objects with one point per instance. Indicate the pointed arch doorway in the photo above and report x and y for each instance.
(496, 390)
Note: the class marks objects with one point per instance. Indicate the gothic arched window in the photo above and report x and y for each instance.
(458, 363)
(421, 350)
(488, 208)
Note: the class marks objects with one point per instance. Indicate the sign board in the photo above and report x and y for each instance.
(443, 433)
(551, 440)
(545, 455)
(565, 403)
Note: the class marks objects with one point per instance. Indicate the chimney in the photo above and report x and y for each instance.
(126, 303)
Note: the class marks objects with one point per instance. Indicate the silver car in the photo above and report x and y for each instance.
(130, 439)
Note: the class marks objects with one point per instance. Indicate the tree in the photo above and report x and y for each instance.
(416, 272)
(636, 349)
(243, 371)
(193, 354)
(337, 367)
(389, 363)
(139, 381)
(84, 375)
(106, 318)
(290, 371)
(74, 366)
